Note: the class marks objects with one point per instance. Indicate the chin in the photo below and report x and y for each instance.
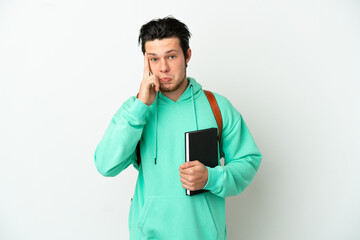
(171, 87)
(167, 89)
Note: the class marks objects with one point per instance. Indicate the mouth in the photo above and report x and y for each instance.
(165, 80)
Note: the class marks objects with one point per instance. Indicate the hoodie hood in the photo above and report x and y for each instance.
(192, 92)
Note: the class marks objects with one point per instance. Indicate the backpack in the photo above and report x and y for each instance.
(217, 114)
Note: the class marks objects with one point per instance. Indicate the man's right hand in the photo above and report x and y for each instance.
(149, 86)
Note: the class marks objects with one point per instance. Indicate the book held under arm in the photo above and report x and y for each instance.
(201, 145)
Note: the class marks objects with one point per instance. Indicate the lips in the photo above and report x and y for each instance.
(165, 79)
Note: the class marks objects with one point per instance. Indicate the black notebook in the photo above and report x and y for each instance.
(201, 145)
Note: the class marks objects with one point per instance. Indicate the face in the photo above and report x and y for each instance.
(168, 63)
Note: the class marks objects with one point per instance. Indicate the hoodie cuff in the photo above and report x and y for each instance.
(214, 178)
(139, 110)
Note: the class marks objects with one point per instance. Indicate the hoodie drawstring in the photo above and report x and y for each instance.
(156, 116)
(192, 97)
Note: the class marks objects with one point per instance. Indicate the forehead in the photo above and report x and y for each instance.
(160, 46)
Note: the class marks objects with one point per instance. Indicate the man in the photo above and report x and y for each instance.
(169, 104)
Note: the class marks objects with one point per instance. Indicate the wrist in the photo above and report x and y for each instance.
(214, 178)
(139, 109)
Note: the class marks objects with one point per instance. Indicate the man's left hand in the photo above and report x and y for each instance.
(193, 175)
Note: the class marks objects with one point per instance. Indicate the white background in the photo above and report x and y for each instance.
(292, 68)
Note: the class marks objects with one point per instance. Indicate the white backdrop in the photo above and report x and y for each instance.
(292, 68)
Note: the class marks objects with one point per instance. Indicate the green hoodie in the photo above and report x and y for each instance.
(160, 209)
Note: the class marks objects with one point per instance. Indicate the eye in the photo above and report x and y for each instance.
(153, 59)
(172, 57)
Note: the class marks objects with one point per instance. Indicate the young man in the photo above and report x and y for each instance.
(169, 104)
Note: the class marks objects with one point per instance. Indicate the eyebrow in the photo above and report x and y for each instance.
(154, 54)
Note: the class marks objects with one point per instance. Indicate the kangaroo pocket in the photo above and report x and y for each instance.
(177, 218)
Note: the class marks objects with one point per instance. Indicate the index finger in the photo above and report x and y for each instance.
(146, 66)
(187, 164)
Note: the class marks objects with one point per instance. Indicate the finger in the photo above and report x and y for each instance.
(153, 83)
(187, 184)
(187, 171)
(157, 85)
(186, 177)
(189, 187)
(146, 66)
(183, 171)
(185, 181)
(185, 165)
(189, 164)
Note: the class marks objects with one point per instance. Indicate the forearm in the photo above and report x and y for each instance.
(116, 150)
(242, 160)
(233, 178)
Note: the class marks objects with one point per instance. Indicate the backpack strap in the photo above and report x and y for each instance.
(216, 111)
(217, 114)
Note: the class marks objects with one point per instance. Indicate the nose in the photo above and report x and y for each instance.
(164, 66)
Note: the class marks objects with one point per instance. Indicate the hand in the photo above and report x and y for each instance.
(193, 175)
(150, 84)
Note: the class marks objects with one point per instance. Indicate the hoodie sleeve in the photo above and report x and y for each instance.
(242, 158)
(117, 148)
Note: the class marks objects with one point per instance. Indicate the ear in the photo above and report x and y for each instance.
(188, 55)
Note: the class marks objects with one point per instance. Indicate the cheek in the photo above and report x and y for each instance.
(153, 66)
(180, 65)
